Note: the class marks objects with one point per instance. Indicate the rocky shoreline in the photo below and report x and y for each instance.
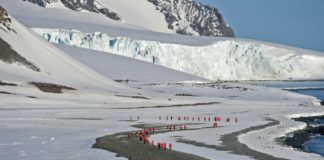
(298, 138)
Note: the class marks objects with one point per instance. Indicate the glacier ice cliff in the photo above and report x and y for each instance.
(227, 59)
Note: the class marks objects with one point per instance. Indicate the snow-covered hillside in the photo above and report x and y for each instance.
(208, 57)
(45, 63)
(118, 67)
(180, 16)
(39, 120)
(228, 59)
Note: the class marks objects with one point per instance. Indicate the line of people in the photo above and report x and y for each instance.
(205, 119)
(143, 136)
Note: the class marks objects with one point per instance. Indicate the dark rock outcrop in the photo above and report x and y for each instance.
(77, 5)
(8, 55)
(192, 18)
(5, 21)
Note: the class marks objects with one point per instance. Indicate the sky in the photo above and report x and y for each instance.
(298, 23)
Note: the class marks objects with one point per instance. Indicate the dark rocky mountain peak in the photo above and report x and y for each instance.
(192, 18)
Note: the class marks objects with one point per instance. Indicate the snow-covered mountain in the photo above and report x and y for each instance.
(26, 57)
(192, 18)
(61, 97)
(181, 16)
(207, 57)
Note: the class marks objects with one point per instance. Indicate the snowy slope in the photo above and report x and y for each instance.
(122, 68)
(183, 17)
(211, 58)
(139, 13)
(39, 125)
(228, 59)
(55, 66)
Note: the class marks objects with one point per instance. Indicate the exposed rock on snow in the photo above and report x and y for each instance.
(224, 59)
(5, 20)
(8, 55)
(192, 18)
(78, 5)
(51, 88)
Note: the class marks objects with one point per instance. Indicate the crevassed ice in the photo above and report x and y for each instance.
(225, 60)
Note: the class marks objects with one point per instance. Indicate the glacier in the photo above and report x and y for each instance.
(227, 59)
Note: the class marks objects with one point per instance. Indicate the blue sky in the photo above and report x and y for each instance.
(297, 23)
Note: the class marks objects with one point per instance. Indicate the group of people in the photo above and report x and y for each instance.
(186, 118)
(164, 146)
(174, 127)
(143, 136)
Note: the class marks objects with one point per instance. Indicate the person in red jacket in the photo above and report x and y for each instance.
(129, 135)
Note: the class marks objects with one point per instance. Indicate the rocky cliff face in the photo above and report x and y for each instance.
(192, 18)
(5, 21)
(77, 5)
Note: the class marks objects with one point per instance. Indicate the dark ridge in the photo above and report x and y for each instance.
(135, 97)
(185, 95)
(51, 88)
(7, 84)
(77, 5)
(175, 105)
(3, 92)
(8, 55)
